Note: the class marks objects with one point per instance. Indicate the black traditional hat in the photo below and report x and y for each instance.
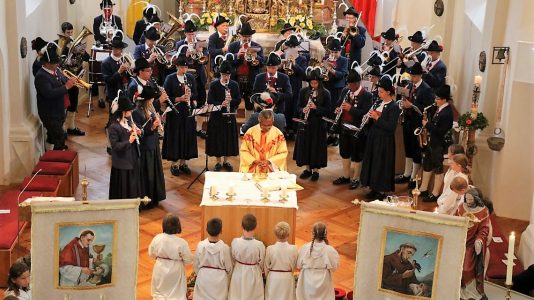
(155, 19)
(444, 92)
(334, 45)
(292, 41)
(287, 27)
(389, 34)
(265, 99)
(219, 20)
(181, 60)
(273, 60)
(434, 47)
(376, 71)
(417, 37)
(38, 43)
(314, 74)
(353, 76)
(50, 54)
(246, 29)
(416, 69)
(351, 11)
(225, 67)
(189, 26)
(141, 63)
(121, 103)
(152, 34)
(375, 60)
(106, 3)
(116, 42)
(149, 11)
(386, 83)
(147, 93)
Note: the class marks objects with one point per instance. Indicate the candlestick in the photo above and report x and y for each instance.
(510, 261)
(416, 192)
(265, 196)
(478, 80)
(310, 14)
(508, 295)
(213, 192)
(203, 6)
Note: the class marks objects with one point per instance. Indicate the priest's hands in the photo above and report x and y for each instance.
(478, 246)
(261, 163)
(87, 271)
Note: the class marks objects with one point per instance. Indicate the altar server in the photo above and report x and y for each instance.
(213, 264)
(248, 253)
(317, 261)
(280, 260)
(18, 282)
(171, 253)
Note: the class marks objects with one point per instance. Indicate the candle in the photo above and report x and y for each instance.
(213, 191)
(510, 261)
(283, 194)
(436, 210)
(300, 2)
(478, 80)
(322, 2)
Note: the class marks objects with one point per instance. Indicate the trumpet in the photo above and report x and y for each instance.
(421, 132)
(128, 59)
(251, 54)
(78, 81)
(195, 55)
(161, 56)
(287, 66)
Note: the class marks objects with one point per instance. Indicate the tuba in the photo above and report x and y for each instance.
(251, 55)
(78, 41)
(62, 42)
(167, 30)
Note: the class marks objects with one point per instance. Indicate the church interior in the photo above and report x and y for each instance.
(486, 45)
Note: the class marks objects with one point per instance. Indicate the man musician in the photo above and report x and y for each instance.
(286, 31)
(353, 36)
(106, 22)
(218, 41)
(149, 52)
(354, 103)
(274, 82)
(249, 60)
(420, 96)
(197, 65)
(436, 70)
(390, 51)
(295, 62)
(143, 77)
(416, 42)
(140, 26)
(73, 57)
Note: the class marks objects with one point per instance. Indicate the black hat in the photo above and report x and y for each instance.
(106, 3)
(375, 60)
(147, 93)
(246, 29)
(149, 11)
(434, 47)
(417, 37)
(265, 99)
(292, 41)
(155, 19)
(376, 71)
(189, 26)
(141, 63)
(444, 92)
(116, 42)
(351, 11)
(225, 67)
(152, 34)
(50, 54)
(273, 60)
(121, 103)
(219, 20)
(181, 60)
(386, 83)
(389, 34)
(38, 43)
(416, 69)
(354, 76)
(334, 45)
(287, 27)
(314, 74)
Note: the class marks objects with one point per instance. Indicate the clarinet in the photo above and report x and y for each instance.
(227, 95)
(366, 118)
(312, 96)
(168, 100)
(187, 92)
(338, 115)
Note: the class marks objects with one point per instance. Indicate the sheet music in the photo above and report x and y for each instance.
(206, 109)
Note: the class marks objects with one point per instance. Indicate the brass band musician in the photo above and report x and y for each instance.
(390, 51)
(353, 36)
(106, 23)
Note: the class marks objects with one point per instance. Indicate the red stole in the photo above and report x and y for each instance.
(74, 255)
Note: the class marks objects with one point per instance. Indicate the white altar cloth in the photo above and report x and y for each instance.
(247, 191)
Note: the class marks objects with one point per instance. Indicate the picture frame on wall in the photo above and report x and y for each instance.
(408, 250)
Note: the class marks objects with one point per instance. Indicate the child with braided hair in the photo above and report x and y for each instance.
(316, 261)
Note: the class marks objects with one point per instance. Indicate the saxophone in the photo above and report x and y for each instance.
(421, 132)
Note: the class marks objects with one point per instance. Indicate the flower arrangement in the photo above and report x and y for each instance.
(208, 18)
(473, 120)
(304, 22)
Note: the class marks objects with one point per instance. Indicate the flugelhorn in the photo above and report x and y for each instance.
(78, 82)
(128, 59)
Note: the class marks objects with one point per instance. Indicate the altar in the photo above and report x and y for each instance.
(261, 198)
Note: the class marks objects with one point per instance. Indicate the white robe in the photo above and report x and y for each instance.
(315, 278)
(23, 295)
(169, 281)
(212, 283)
(281, 257)
(448, 201)
(247, 282)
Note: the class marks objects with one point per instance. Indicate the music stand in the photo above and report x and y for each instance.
(204, 111)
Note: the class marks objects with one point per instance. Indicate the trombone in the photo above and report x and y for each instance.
(78, 81)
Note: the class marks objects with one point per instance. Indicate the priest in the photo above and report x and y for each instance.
(264, 148)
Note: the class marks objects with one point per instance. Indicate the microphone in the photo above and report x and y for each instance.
(29, 182)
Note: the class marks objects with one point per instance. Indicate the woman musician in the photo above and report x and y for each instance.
(353, 104)
(180, 139)
(390, 51)
(200, 76)
(148, 121)
(310, 145)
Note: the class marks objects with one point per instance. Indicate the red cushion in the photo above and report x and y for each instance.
(9, 222)
(496, 268)
(59, 155)
(41, 184)
(14, 194)
(51, 168)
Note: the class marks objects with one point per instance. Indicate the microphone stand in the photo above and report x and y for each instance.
(197, 178)
(18, 213)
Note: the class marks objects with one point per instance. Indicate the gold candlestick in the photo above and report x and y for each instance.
(416, 192)
(84, 184)
(508, 292)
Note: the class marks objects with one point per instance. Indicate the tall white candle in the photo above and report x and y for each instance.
(478, 80)
(510, 261)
